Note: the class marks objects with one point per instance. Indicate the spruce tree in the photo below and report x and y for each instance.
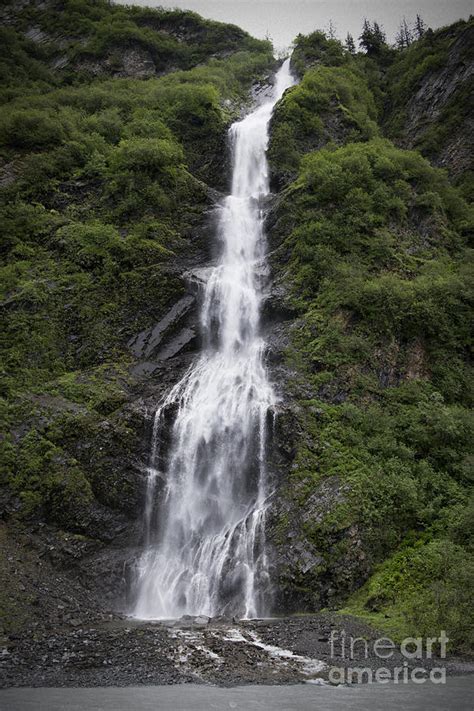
(404, 35)
(350, 44)
(373, 37)
(420, 27)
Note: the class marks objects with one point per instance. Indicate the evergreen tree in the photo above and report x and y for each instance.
(420, 27)
(331, 30)
(373, 37)
(366, 36)
(429, 36)
(404, 36)
(350, 44)
(379, 34)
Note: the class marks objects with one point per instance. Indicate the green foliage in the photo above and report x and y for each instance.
(30, 129)
(372, 244)
(330, 104)
(80, 38)
(413, 65)
(317, 48)
(103, 186)
(408, 85)
(59, 459)
(44, 477)
(395, 77)
(104, 191)
(23, 65)
(151, 155)
(369, 207)
(377, 257)
(373, 38)
(161, 32)
(422, 589)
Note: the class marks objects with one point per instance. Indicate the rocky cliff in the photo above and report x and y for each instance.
(113, 126)
(429, 103)
(109, 176)
(371, 262)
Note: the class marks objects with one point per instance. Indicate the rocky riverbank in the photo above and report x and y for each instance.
(125, 652)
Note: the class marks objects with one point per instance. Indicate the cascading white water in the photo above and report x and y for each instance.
(207, 556)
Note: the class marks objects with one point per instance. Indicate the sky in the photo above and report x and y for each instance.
(282, 20)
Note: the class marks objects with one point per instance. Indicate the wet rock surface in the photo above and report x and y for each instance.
(146, 343)
(123, 652)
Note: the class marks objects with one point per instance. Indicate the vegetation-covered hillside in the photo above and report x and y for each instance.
(112, 152)
(372, 245)
(52, 43)
(106, 176)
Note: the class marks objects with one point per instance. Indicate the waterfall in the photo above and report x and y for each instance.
(207, 555)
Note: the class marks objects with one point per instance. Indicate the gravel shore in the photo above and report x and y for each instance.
(124, 652)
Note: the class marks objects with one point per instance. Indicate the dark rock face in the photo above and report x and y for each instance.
(306, 575)
(135, 62)
(426, 108)
(172, 335)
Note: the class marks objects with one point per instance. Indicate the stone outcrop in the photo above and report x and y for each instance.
(435, 92)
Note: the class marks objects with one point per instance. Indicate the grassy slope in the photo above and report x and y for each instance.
(372, 243)
(104, 184)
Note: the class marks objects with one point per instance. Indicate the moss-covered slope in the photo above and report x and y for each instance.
(107, 175)
(371, 247)
(112, 129)
(54, 42)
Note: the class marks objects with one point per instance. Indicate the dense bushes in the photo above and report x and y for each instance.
(31, 129)
(104, 187)
(105, 167)
(377, 251)
(373, 249)
(61, 466)
(45, 477)
(317, 48)
(331, 104)
(23, 65)
(81, 38)
(425, 586)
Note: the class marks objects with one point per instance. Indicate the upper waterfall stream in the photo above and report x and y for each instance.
(207, 554)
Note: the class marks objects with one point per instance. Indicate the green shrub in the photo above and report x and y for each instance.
(31, 129)
(331, 104)
(317, 48)
(45, 478)
(422, 589)
(151, 155)
(371, 242)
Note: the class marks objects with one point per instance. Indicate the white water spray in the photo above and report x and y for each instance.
(207, 555)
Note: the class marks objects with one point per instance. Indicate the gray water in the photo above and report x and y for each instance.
(282, 20)
(456, 695)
